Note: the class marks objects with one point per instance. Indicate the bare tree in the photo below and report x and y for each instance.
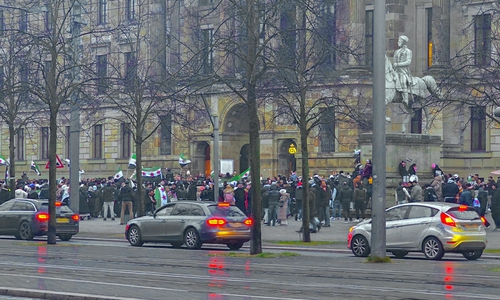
(17, 106)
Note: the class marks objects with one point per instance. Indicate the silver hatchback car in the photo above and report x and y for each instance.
(191, 223)
(429, 227)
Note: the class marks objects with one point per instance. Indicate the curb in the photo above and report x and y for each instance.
(36, 294)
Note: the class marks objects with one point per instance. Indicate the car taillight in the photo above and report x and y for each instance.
(223, 204)
(446, 219)
(248, 222)
(216, 222)
(42, 216)
(75, 218)
(58, 203)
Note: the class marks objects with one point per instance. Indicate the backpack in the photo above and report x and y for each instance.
(430, 195)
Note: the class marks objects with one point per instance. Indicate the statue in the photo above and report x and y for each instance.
(400, 84)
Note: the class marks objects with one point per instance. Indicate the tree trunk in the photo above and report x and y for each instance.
(138, 172)
(51, 232)
(306, 235)
(12, 157)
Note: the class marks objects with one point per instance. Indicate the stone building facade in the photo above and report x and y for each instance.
(169, 33)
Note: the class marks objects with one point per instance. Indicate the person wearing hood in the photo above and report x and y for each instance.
(436, 170)
(345, 196)
(20, 193)
(437, 185)
(367, 172)
(283, 207)
(450, 191)
(403, 172)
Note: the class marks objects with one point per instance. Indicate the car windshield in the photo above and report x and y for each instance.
(463, 213)
(225, 211)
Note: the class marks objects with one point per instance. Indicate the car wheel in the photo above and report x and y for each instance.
(235, 246)
(472, 254)
(25, 231)
(65, 237)
(134, 236)
(399, 254)
(432, 248)
(359, 246)
(192, 239)
(176, 245)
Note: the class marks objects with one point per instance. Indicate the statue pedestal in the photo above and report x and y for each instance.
(421, 149)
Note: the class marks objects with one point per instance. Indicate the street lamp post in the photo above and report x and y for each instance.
(74, 137)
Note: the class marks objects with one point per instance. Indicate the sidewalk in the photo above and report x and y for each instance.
(271, 235)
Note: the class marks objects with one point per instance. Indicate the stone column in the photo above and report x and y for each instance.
(440, 35)
(395, 26)
(351, 16)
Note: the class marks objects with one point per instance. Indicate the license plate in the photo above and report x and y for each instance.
(62, 220)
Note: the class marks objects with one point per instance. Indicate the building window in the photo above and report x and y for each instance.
(48, 21)
(23, 79)
(166, 135)
(126, 142)
(478, 128)
(102, 73)
(327, 131)
(23, 21)
(130, 71)
(428, 12)
(102, 12)
(416, 122)
(98, 141)
(369, 39)
(288, 34)
(2, 23)
(44, 138)
(482, 40)
(130, 10)
(207, 50)
(68, 136)
(20, 144)
(328, 34)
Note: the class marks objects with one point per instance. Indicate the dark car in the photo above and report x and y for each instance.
(27, 218)
(193, 224)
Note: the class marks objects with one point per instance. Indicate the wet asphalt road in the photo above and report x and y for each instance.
(115, 270)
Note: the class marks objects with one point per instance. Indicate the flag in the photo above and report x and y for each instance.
(245, 174)
(161, 196)
(131, 162)
(183, 161)
(119, 174)
(3, 161)
(151, 172)
(35, 168)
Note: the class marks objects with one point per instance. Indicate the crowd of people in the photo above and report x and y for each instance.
(333, 197)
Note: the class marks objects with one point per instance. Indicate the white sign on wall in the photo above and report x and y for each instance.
(227, 166)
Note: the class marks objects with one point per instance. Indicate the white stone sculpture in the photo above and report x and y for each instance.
(398, 81)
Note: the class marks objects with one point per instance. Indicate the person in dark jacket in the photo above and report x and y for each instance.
(450, 191)
(482, 196)
(239, 197)
(403, 172)
(323, 202)
(191, 191)
(274, 199)
(299, 196)
(108, 200)
(265, 203)
(345, 196)
(495, 205)
(127, 199)
(466, 195)
(314, 223)
(359, 202)
(367, 172)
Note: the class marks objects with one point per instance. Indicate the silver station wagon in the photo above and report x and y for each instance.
(429, 227)
(193, 224)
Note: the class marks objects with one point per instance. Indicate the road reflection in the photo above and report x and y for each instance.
(449, 270)
(219, 275)
(42, 261)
